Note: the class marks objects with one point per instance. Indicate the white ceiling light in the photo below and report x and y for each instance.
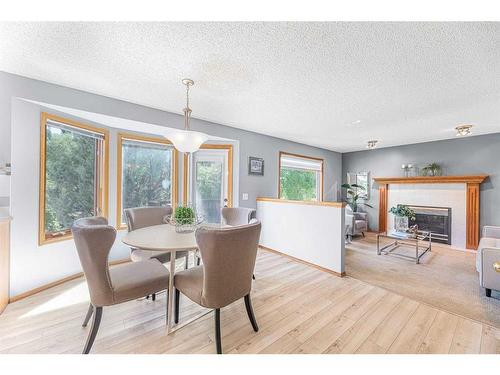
(371, 144)
(187, 140)
(463, 130)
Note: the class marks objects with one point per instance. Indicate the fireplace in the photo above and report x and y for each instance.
(436, 220)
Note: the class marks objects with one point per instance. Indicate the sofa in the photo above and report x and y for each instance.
(488, 259)
(356, 222)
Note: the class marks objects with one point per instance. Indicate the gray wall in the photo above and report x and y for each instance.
(461, 156)
(251, 144)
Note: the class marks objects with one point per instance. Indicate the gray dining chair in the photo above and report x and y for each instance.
(237, 215)
(94, 239)
(225, 276)
(141, 217)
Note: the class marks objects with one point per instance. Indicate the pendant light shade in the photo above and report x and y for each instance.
(187, 140)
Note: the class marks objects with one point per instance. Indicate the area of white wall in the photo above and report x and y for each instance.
(438, 195)
(312, 233)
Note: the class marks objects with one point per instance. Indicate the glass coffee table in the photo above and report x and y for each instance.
(413, 240)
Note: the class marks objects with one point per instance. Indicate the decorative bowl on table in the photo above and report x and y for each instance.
(185, 219)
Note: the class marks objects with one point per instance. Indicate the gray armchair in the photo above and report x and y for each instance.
(488, 259)
(356, 222)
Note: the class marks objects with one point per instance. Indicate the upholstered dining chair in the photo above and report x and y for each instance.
(141, 217)
(225, 276)
(237, 215)
(94, 239)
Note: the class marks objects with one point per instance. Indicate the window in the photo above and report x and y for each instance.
(73, 175)
(301, 177)
(147, 173)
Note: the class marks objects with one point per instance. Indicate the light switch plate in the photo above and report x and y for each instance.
(245, 196)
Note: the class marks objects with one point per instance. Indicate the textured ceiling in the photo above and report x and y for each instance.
(333, 85)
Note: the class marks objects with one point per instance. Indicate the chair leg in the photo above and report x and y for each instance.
(89, 315)
(363, 233)
(153, 297)
(93, 332)
(176, 307)
(488, 292)
(218, 341)
(251, 316)
(253, 276)
(186, 262)
(147, 297)
(198, 261)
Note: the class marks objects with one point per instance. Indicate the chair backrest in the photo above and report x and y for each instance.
(94, 239)
(228, 257)
(141, 217)
(237, 215)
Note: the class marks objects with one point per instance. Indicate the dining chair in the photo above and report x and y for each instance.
(94, 239)
(237, 215)
(225, 276)
(141, 217)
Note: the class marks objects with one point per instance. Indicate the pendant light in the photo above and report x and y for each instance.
(188, 140)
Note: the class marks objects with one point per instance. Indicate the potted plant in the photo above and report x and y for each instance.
(402, 214)
(432, 169)
(185, 219)
(353, 196)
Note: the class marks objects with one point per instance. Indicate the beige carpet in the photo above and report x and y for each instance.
(445, 278)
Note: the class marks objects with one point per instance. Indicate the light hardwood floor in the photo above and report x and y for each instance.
(299, 309)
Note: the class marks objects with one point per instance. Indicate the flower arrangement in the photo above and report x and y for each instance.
(402, 210)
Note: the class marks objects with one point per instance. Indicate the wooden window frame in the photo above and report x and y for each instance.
(283, 153)
(185, 172)
(119, 164)
(102, 178)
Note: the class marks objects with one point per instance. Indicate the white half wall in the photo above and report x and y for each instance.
(313, 233)
(438, 195)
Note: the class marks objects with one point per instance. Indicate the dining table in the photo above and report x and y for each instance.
(165, 238)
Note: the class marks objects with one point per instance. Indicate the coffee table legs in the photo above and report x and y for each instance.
(170, 291)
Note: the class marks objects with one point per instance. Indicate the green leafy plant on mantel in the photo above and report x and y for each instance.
(184, 215)
(353, 197)
(432, 169)
(402, 210)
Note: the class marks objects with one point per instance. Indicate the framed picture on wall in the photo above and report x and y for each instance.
(255, 166)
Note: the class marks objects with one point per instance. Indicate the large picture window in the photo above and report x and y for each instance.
(147, 173)
(300, 178)
(73, 175)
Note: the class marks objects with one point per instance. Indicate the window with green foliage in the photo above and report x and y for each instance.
(300, 178)
(72, 171)
(146, 173)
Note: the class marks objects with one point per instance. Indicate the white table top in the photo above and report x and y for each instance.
(163, 238)
(160, 238)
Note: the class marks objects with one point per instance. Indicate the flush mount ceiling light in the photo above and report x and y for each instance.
(187, 140)
(371, 144)
(463, 130)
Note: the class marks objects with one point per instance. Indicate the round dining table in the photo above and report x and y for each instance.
(164, 238)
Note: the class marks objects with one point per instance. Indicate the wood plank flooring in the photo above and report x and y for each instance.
(299, 309)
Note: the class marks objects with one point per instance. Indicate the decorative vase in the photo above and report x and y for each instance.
(400, 223)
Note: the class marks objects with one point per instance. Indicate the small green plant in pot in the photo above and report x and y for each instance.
(184, 215)
(402, 214)
(353, 196)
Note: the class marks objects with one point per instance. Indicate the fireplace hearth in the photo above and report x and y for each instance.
(436, 220)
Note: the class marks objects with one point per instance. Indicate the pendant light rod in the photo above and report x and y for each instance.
(187, 111)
